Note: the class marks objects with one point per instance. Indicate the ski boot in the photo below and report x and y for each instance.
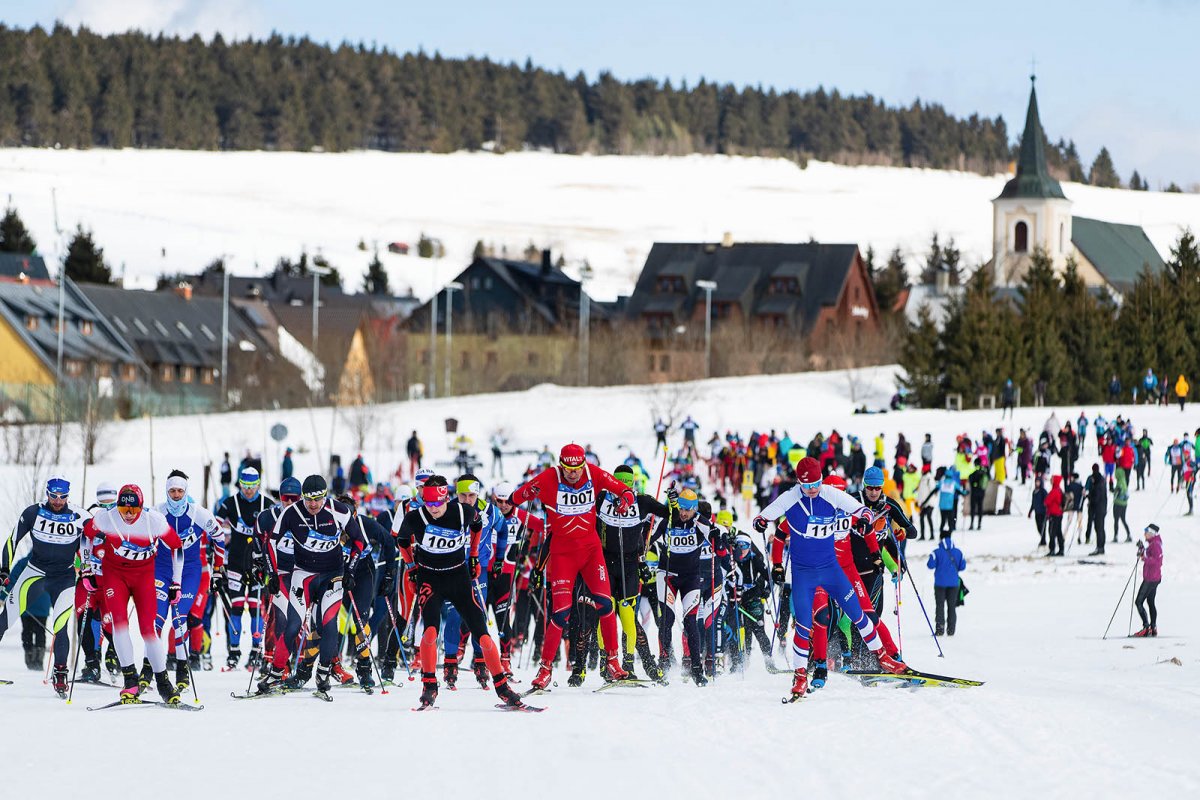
(362, 668)
(799, 684)
(323, 681)
(58, 680)
(892, 664)
(685, 667)
(578, 674)
(506, 665)
(271, 681)
(110, 660)
(450, 672)
(254, 660)
(234, 658)
(541, 681)
(91, 671)
(429, 690)
(1144, 632)
(479, 667)
(604, 667)
(627, 663)
(129, 694)
(820, 674)
(698, 676)
(387, 671)
(194, 662)
(33, 657)
(339, 672)
(166, 689)
(846, 666)
(170, 661)
(616, 672)
(304, 671)
(206, 662)
(183, 675)
(146, 676)
(506, 693)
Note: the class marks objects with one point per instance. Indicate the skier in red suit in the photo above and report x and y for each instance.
(569, 493)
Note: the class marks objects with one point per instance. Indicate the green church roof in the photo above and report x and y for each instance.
(1119, 252)
(1032, 178)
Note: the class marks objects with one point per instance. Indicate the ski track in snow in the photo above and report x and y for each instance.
(1063, 713)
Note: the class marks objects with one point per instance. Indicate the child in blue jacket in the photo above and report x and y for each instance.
(946, 561)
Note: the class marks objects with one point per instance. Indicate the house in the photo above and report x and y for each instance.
(178, 336)
(514, 324)
(1032, 211)
(94, 354)
(808, 294)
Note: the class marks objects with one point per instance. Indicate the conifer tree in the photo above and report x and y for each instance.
(922, 361)
(84, 262)
(375, 280)
(14, 236)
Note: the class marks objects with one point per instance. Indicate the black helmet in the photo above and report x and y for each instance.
(314, 487)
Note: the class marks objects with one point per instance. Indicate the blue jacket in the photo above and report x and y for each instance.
(946, 561)
(949, 489)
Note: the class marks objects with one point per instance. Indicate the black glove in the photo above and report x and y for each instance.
(535, 581)
(4, 572)
(760, 524)
(172, 593)
(219, 584)
(777, 573)
(497, 568)
(348, 580)
(413, 572)
(387, 586)
(672, 495)
(473, 567)
(272, 585)
(645, 574)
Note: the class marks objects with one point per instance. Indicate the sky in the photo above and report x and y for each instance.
(1115, 73)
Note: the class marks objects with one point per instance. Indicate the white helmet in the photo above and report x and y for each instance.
(503, 490)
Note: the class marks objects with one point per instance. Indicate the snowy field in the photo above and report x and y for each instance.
(1063, 713)
(166, 211)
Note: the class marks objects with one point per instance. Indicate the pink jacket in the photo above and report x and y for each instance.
(1152, 563)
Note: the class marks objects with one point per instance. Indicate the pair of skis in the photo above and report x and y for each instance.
(912, 677)
(148, 704)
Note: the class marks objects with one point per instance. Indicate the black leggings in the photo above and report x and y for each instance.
(1145, 595)
(1056, 534)
(1119, 520)
(927, 519)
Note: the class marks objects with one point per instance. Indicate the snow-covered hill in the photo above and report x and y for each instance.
(169, 211)
(1063, 713)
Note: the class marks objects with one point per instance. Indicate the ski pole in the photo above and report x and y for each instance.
(87, 612)
(396, 633)
(366, 644)
(1132, 600)
(921, 603)
(180, 625)
(1118, 608)
(899, 636)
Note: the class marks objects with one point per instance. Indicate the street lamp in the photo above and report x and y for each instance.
(708, 287)
(317, 273)
(585, 319)
(224, 331)
(451, 287)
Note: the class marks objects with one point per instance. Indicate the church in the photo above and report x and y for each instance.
(1032, 211)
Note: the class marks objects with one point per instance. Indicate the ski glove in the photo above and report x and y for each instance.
(273, 584)
(473, 567)
(172, 593)
(625, 502)
(672, 495)
(535, 581)
(348, 580)
(88, 582)
(4, 576)
(644, 572)
(777, 573)
(896, 577)
(760, 524)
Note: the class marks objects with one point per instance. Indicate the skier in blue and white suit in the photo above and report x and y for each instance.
(818, 518)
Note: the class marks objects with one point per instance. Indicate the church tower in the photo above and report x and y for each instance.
(1032, 210)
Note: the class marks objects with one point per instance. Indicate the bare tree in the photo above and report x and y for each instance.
(29, 448)
(670, 401)
(95, 415)
(363, 417)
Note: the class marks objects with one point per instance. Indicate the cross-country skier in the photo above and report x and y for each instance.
(238, 515)
(51, 535)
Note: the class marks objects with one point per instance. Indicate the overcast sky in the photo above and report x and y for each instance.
(1119, 73)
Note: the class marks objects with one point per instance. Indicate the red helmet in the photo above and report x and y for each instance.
(130, 497)
(836, 481)
(808, 470)
(571, 456)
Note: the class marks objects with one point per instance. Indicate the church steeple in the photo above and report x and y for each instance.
(1032, 178)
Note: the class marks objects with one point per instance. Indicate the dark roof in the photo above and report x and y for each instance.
(166, 328)
(19, 301)
(16, 265)
(1119, 252)
(743, 273)
(276, 287)
(1033, 177)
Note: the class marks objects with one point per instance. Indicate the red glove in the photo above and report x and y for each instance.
(626, 502)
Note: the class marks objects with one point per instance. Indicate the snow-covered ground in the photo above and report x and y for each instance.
(1063, 713)
(171, 211)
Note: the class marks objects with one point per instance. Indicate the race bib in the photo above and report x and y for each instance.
(575, 500)
(442, 540)
(609, 514)
(823, 528)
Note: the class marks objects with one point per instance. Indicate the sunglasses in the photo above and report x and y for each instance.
(808, 487)
(316, 495)
(128, 509)
(434, 504)
(873, 488)
(57, 495)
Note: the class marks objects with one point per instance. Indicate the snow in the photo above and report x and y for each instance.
(1063, 713)
(174, 211)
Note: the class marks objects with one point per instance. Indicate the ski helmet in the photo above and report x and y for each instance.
(106, 495)
(130, 498)
(808, 471)
(58, 487)
(688, 500)
(836, 481)
(503, 490)
(572, 456)
(873, 477)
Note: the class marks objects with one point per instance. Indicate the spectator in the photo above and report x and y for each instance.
(947, 562)
(1024, 455)
(949, 488)
(1114, 389)
(1143, 458)
(927, 490)
(1008, 398)
(1097, 508)
(1037, 510)
(1073, 506)
(1054, 515)
(497, 455)
(1120, 505)
(415, 452)
(1151, 557)
(1039, 392)
(927, 454)
(286, 469)
(1150, 386)
(1181, 390)
(978, 482)
(226, 476)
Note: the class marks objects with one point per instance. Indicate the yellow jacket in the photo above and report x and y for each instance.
(1181, 387)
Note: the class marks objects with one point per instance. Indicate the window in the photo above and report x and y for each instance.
(664, 362)
(653, 361)
(487, 282)
(531, 358)
(85, 327)
(120, 325)
(475, 282)
(1061, 232)
(425, 357)
(187, 374)
(162, 329)
(670, 284)
(137, 323)
(183, 329)
(73, 367)
(103, 369)
(128, 373)
(784, 286)
(31, 323)
(1021, 235)
(208, 376)
(465, 361)
(490, 358)
(166, 372)
(212, 337)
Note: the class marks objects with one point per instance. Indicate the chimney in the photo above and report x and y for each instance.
(727, 239)
(942, 281)
(184, 290)
(547, 264)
